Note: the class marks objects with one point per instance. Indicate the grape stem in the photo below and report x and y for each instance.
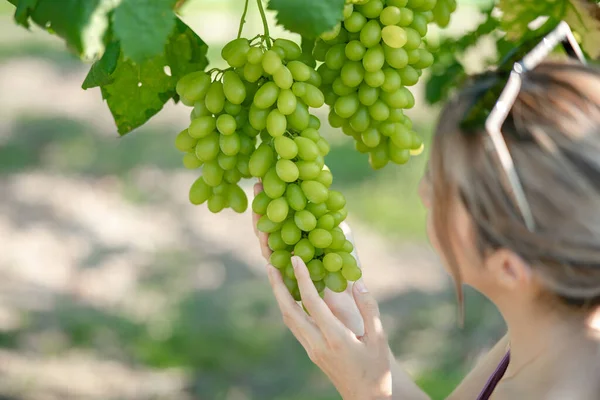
(243, 20)
(264, 21)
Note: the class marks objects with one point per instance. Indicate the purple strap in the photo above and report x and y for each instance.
(495, 378)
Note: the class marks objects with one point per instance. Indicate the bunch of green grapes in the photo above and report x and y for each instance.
(442, 11)
(266, 94)
(369, 62)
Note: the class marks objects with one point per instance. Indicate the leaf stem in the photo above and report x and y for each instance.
(264, 21)
(243, 20)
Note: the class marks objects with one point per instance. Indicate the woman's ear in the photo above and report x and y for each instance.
(508, 270)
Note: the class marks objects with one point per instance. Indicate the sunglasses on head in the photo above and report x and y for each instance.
(502, 95)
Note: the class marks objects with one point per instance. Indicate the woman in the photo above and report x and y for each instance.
(544, 278)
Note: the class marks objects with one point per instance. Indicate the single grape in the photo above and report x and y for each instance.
(286, 102)
(394, 36)
(261, 161)
(265, 225)
(305, 250)
(215, 98)
(351, 272)
(295, 197)
(320, 238)
(200, 191)
(283, 78)
(226, 124)
(276, 123)
(280, 258)
(202, 126)
(266, 96)
(233, 88)
(184, 142)
(230, 144)
(207, 148)
(336, 282)
(271, 62)
(316, 270)
(305, 220)
(278, 209)
(260, 203)
(308, 170)
(354, 51)
(315, 191)
(273, 185)
(287, 170)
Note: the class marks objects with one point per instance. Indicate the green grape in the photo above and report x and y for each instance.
(371, 137)
(202, 127)
(265, 225)
(348, 9)
(314, 122)
(200, 109)
(361, 120)
(355, 22)
(287, 170)
(328, 75)
(406, 17)
(261, 161)
(305, 220)
(347, 258)
(226, 124)
(299, 89)
(243, 165)
(348, 247)
(184, 142)
(379, 111)
(372, 8)
(336, 282)
(200, 191)
(374, 58)
(336, 200)
(271, 62)
(397, 154)
(351, 272)
(232, 109)
(253, 72)
(352, 73)
(390, 15)
(397, 58)
(258, 117)
(273, 185)
(398, 99)
(314, 97)
(413, 39)
(238, 201)
(260, 203)
(280, 258)
(324, 147)
(193, 86)
(292, 50)
(207, 148)
(247, 144)
(307, 149)
(320, 238)
(305, 250)
(190, 161)
(290, 233)
(335, 120)
(419, 24)
(275, 241)
(379, 157)
(394, 36)
(286, 102)
(392, 80)
(332, 261)
(397, 3)
(215, 98)
(235, 52)
(317, 209)
(409, 76)
(340, 89)
(312, 134)
(295, 197)
(285, 147)
(338, 238)
(266, 96)
(300, 71)
(336, 57)
(315, 191)
(217, 203)
(375, 79)
(278, 209)
(326, 222)
(255, 55)
(425, 59)
(340, 216)
(233, 88)
(316, 270)
(370, 34)
(308, 170)
(300, 118)
(232, 176)
(332, 34)
(325, 178)
(276, 123)
(212, 173)
(230, 144)
(347, 105)
(354, 51)
(283, 78)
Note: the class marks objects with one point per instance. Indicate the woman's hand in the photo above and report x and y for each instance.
(359, 367)
(342, 304)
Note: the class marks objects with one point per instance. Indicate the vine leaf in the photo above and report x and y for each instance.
(580, 17)
(24, 9)
(135, 92)
(518, 14)
(143, 27)
(308, 18)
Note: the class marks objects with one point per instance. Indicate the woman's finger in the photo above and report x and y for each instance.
(293, 316)
(321, 314)
(369, 309)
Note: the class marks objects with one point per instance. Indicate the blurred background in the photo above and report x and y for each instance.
(114, 287)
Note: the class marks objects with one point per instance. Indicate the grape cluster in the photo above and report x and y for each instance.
(266, 94)
(369, 61)
(442, 11)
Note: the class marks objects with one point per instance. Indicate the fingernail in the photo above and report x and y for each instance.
(296, 262)
(360, 286)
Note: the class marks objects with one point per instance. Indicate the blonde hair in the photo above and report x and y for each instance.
(553, 134)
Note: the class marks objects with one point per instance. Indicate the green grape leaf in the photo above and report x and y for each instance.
(518, 14)
(438, 86)
(143, 27)
(308, 18)
(23, 11)
(580, 17)
(135, 92)
(83, 24)
(101, 71)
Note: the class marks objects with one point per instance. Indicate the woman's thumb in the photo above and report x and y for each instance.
(369, 309)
